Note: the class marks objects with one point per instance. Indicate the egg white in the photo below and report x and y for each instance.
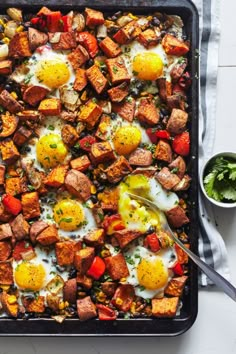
(135, 254)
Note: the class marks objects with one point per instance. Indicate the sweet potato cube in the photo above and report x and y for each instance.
(118, 170)
(90, 113)
(69, 135)
(86, 308)
(80, 79)
(181, 255)
(117, 70)
(96, 78)
(30, 205)
(148, 113)
(148, 38)
(165, 88)
(50, 107)
(9, 102)
(93, 17)
(167, 179)
(2, 174)
(13, 186)
(5, 231)
(81, 163)
(78, 57)
(21, 136)
(5, 67)
(9, 151)
(6, 273)
(95, 237)
(125, 109)
(174, 46)
(118, 93)
(34, 305)
(70, 291)
(175, 286)
(177, 216)
(56, 177)
(67, 41)
(83, 259)
(101, 152)
(116, 266)
(48, 236)
(127, 32)
(163, 151)
(19, 46)
(9, 305)
(165, 307)
(84, 281)
(124, 237)
(103, 127)
(65, 252)
(110, 48)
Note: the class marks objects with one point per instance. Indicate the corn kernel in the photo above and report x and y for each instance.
(66, 303)
(14, 95)
(132, 16)
(103, 127)
(6, 40)
(5, 287)
(19, 29)
(108, 23)
(105, 253)
(122, 280)
(84, 96)
(101, 297)
(12, 299)
(93, 189)
(149, 18)
(133, 307)
(119, 301)
(61, 305)
(2, 23)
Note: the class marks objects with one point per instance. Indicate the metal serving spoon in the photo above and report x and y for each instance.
(217, 279)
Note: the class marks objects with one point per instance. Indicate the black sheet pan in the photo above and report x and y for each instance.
(188, 313)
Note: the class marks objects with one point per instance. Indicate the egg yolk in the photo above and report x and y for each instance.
(126, 139)
(52, 73)
(68, 214)
(30, 276)
(152, 274)
(50, 150)
(147, 66)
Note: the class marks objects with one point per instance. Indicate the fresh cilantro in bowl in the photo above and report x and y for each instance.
(220, 179)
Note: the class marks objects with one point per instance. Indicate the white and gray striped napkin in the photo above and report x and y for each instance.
(211, 245)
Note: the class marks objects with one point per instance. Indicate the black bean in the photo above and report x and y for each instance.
(72, 273)
(1, 29)
(60, 269)
(54, 261)
(100, 189)
(93, 198)
(8, 87)
(82, 135)
(155, 21)
(113, 115)
(163, 33)
(48, 311)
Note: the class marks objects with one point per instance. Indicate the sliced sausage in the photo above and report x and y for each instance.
(36, 38)
(9, 102)
(177, 121)
(70, 290)
(36, 228)
(141, 157)
(177, 217)
(34, 94)
(20, 227)
(5, 250)
(78, 184)
(5, 231)
(167, 179)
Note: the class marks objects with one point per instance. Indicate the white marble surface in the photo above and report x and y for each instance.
(214, 331)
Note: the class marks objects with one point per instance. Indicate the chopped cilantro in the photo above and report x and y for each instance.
(67, 220)
(53, 146)
(51, 127)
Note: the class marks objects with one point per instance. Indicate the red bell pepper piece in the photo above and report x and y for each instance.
(97, 268)
(86, 142)
(163, 134)
(12, 204)
(21, 247)
(151, 132)
(178, 90)
(181, 144)
(113, 223)
(89, 42)
(105, 313)
(54, 22)
(178, 269)
(67, 23)
(152, 242)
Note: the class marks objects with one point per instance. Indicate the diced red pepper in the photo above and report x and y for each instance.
(97, 268)
(54, 22)
(178, 269)
(123, 297)
(86, 142)
(105, 313)
(178, 90)
(152, 242)
(113, 223)
(163, 134)
(185, 81)
(151, 132)
(89, 42)
(35, 20)
(12, 204)
(181, 144)
(67, 23)
(21, 247)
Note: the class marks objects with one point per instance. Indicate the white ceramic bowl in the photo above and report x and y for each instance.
(202, 172)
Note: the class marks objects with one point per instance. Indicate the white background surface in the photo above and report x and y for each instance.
(214, 331)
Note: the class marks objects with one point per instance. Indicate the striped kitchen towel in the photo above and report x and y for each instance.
(211, 245)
